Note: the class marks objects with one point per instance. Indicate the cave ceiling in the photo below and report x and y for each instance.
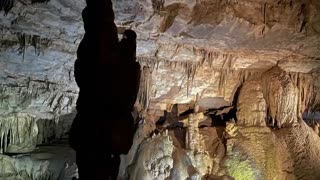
(189, 48)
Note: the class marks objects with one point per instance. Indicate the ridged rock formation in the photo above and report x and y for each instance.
(260, 153)
(37, 46)
(281, 96)
(251, 107)
(252, 66)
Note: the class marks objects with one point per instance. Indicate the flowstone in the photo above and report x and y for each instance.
(167, 155)
(154, 159)
(263, 153)
(281, 96)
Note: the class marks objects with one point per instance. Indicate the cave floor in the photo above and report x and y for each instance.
(62, 152)
(53, 161)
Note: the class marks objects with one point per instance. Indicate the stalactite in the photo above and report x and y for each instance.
(2, 33)
(37, 42)
(227, 75)
(22, 132)
(18, 130)
(145, 89)
(22, 44)
(222, 81)
(6, 5)
(264, 14)
(46, 130)
(211, 56)
(281, 96)
(147, 61)
(309, 94)
(214, 57)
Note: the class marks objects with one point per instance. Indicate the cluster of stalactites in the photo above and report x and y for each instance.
(6, 5)
(286, 94)
(281, 96)
(145, 88)
(23, 41)
(18, 132)
(190, 69)
(309, 91)
(21, 132)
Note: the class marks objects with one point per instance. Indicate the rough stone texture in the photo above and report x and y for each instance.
(46, 163)
(162, 156)
(263, 153)
(281, 96)
(214, 146)
(38, 42)
(261, 57)
(251, 107)
(178, 40)
(18, 133)
(21, 132)
(309, 91)
(154, 160)
(167, 154)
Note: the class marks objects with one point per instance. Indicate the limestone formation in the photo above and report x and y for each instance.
(255, 64)
(315, 128)
(281, 96)
(231, 129)
(156, 161)
(274, 154)
(45, 163)
(193, 135)
(251, 107)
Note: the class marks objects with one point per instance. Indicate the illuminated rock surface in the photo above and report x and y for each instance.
(46, 162)
(263, 153)
(254, 64)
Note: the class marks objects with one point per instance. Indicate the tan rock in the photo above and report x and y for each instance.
(281, 96)
(261, 153)
(251, 107)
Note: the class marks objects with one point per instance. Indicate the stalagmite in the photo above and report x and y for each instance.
(145, 89)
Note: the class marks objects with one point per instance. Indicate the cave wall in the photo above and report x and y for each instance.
(211, 62)
(38, 45)
(260, 58)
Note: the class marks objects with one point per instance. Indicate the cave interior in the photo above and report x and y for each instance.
(230, 89)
